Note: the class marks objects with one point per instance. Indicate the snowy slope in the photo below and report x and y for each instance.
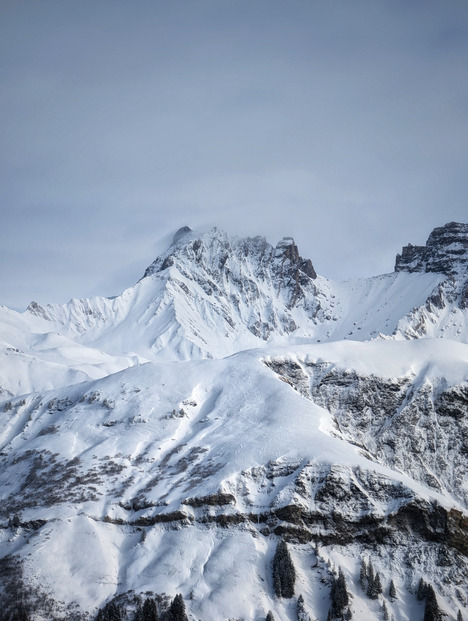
(166, 439)
(35, 356)
(208, 458)
(210, 296)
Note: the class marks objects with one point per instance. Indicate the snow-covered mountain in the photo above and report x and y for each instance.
(209, 296)
(167, 439)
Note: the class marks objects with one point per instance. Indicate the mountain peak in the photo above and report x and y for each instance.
(445, 252)
(182, 232)
(215, 251)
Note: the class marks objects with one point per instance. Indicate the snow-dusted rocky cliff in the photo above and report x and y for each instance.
(165, 440)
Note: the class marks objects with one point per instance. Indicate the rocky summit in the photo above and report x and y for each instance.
(445, 252)
(236, 437)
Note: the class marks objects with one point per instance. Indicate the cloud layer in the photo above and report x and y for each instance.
(343, 124)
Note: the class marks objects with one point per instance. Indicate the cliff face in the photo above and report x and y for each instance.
(443, 314)
(445, 252)
(415, 423)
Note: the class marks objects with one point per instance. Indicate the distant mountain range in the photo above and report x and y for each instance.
(165, 441)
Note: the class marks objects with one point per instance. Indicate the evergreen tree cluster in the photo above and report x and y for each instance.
(426, 592)
(110, 612)
(176, 610)
(374, 584)
(370, 581)
(371, 584)
(339, 598)
(146, 611)
(284, 574)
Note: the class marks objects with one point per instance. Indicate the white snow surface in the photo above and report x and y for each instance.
(200, 428)
(164, 395)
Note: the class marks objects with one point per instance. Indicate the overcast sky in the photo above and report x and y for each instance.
(343, 124)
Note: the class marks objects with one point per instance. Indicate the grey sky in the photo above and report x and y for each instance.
(344, 124)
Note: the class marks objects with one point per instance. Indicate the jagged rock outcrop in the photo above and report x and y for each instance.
(245, 282)
(445, 252)
(208, 295)
(443, 313)
(243, 261)
(420, 428)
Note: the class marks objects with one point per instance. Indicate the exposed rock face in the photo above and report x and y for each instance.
(421, 430)
(267, 281)
(445, 252)
(418, 427)
(216, 252)
(181, 233)
(36, 309)
(464, 299)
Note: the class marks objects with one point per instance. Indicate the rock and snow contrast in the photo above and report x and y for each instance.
(171, 439)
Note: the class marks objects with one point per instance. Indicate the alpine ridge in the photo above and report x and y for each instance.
(235, 422)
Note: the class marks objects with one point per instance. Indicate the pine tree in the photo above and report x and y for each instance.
(302, 614)
(370, 588)
(300, 605)
(421, 592)
(374, 587)
(176, 610)
(348, 615)
(377, 584)
(270, 616)
(110, 612)
(138, 613)
(329, 616)
(431, 610)
(384, 612)
(284, 574)
(392, 594)
(339, 595)
(370, 580)
(363, 575)
(21, 613)
(459, 616)
(150, 611)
